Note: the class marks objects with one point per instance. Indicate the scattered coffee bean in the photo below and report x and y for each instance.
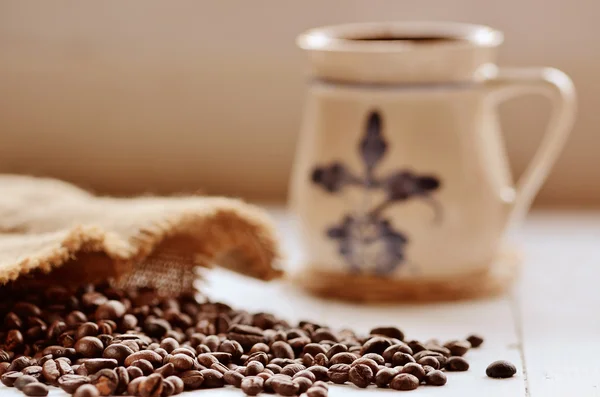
(431, 361)
(458, 347)
(456, 364)
(151, 386)
(70, 383)
(316, 392)
(303, 384)
(361, 375)
(501, 369)
(102, 340)
(178, 385)
(475, 340)
(86, 391)
(404, 381)
(284, 385)
(106, 381)
(35, 389)
(21, 381)
(192, 379)
(435, 378)
(414, 369)
(252, 385)
(9, 378)
(384, 377)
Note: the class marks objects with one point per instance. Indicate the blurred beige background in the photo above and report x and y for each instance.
(137, 96)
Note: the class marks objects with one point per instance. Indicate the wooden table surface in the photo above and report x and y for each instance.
(548, 325)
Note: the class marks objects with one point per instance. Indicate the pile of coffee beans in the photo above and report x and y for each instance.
(100, 341)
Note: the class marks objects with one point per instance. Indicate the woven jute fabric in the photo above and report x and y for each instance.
(51, 230)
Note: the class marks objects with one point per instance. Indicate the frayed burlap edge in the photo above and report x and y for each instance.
(48, 224)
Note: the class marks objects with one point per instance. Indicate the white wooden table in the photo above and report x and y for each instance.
(549, 326)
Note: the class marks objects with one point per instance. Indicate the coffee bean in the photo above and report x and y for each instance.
(254, 368)
(212, 378)
(322, 334)
(384, 377)
(9, 378)
(282, 349)
(19, 363)
(86, 391)
(75, 318)
(133, 388)
(21, 381)
(305, 374)
(35, 371)
(192, 379)
(292, 369)
(314, 349)
(404, 381)
(222, 368)
(93, 365)
(342, 358)
(303, 384)
(308, 360)
(151, 386)
(414, 369)
(144, 365)
(177, 383)
(4, 368)
(89, 346)
(14, 340)
(316, 392)
(339, 373)
(458, 347)
(123, 380)
(232, 347)
(416, 346)
(252, 385)
(368, 362)
(117, 351)
(166, 370)
(335, 349)
(106, 381)
(436, 378)
(319, 372)
(35, 389)
(475, 340)
(375, 344)
(375, 357)
(261, 357)
(361, 375)
(86, 329)
(206, 359)
(182, 362)
(233, 378)
(400, 358)
(430, 361)
(284, 386)
(152, 357)
(110, 310)
(70, 383)
(187, 352)
(390, 332)
(500, 369)
(456, 364)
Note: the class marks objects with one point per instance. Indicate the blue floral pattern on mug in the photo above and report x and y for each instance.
(368, 239)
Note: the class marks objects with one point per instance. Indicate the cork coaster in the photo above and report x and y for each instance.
(361, 288)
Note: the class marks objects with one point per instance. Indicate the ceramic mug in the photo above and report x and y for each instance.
(401, 182)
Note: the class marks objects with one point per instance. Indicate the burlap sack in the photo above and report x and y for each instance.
(53, 231)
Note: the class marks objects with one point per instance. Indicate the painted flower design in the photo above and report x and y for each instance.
(369, 241)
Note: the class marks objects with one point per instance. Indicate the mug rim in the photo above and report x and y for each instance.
(361, 37)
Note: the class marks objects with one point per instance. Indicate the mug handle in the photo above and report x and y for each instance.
(506, 83)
